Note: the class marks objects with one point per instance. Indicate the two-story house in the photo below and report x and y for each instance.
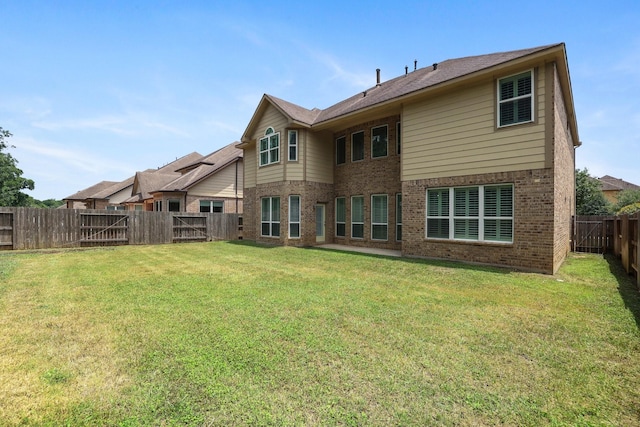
(469, 159)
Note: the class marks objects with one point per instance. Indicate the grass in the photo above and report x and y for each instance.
(237, 334)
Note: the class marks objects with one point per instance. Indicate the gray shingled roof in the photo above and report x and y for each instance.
(109, 191)
(414, 81)
(204, 168)
(88, 192)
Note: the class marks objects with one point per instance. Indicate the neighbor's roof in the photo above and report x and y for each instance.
(409, 84)
(610, 183)
(204, 168)
(110, 191)
(87, 193)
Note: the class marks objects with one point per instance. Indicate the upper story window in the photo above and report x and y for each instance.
(357, 146)
(293, 145)
(270, 147)
(515, 99)
(398, 137)
(341, 150)
(379, 141)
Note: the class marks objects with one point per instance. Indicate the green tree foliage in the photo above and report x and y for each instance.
(628, 201)
(590, 199)
(11, 180)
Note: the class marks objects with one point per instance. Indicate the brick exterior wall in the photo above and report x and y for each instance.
(368, 177)
(533, 241)
(564, 177)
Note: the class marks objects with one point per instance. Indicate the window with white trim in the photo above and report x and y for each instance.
(379, 217)
(157, 205)
(215, 206)
(515, 99)
(293, 145)
(379, 141)
(399, 217)
(341, 150)
(480, 213)
(294, 217)
(270, 147)
(357, 146)
(341, 216)
(270, 224)
(174, 205)
(357, 217)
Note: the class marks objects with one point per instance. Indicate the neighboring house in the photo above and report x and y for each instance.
(213, 183)
(611, 187)
(83, 199)
(471, 159)
(193, 183)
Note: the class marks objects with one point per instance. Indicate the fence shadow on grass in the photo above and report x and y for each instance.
(626, 286)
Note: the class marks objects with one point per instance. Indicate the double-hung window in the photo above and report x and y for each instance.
(341, 216)
(341, 150)
(379, 217)
(481, 213)
(270, 147)
(357, 217)
(379, 141)
(216, 206)
(294, 217)
(270, 224)
(398, 137)
(357, 146)
(515, 99)
(293, 145)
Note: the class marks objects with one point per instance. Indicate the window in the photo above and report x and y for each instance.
(341, 150)
(294, 217)
(215, 206)
(341, 216)
(157, 205)
(357, 217)
(379, 216)
(270, 148)
(293, 145)
(399, 217)
(270, 216)
(379, 141)
(515, 99)
(174, 205)
(482, 213)
(357, 146)
(398, 137)
(498, 212)
(115, 208)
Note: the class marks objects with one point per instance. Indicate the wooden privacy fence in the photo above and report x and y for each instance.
(619, 235)
(33, 228)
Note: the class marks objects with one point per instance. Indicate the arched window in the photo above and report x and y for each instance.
(270, 147)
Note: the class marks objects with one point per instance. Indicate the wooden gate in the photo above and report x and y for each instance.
(6, 230)
(589, 236)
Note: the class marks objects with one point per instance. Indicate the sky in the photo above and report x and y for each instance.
(97, 90)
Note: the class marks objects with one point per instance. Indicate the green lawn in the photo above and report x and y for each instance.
(237, 334)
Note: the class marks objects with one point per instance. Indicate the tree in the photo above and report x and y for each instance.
(11, 180)
(590, 199)
(628, 202)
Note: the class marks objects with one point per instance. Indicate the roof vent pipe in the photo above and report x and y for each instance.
(377, 76)
(435, 66)
(415, 65)
(406, 70)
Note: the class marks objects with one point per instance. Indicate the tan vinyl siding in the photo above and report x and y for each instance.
(221, 184)
(250, 161)
(271, 118)
(320, 157)
(456, 134)
(295, 169)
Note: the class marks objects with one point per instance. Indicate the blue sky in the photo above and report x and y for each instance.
(97, 90)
